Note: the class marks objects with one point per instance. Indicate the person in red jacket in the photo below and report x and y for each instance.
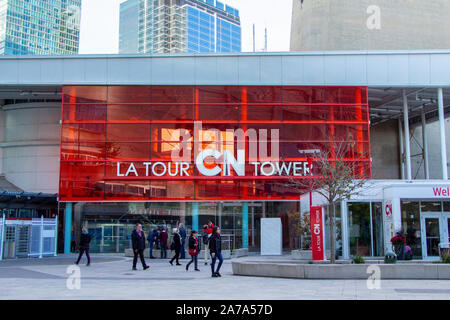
(207, 232)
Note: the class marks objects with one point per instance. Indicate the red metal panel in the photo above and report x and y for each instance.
(117, 142)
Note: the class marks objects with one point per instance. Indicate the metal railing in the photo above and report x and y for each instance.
(28, 237)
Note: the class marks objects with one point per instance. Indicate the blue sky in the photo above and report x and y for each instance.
(100, 24)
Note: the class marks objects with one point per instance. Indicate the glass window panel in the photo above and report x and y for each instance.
(431, 206)
(359, 229)
(411, 226)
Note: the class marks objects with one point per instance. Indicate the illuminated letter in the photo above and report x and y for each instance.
(256, 164)
(183, 169)
(131, 169)
(156, 173)
(286, 169)
(199, 161)
(238, 165)
(147, 164)
(265, 164)
(118, 170)
(176, 169)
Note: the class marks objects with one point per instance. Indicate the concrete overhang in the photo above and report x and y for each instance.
(386, 73)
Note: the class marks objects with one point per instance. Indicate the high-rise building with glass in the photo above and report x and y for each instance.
(39, 27)
(174, 26)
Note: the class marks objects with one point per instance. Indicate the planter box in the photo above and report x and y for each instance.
(301, 255)
(239, 253)
(340, 271)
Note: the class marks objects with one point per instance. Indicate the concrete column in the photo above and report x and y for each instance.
(442, 134)
(68, 227)
(407, 142)
(2, 236)
(245, 225)
(425, 145)
(344, 231)
(401, 144)
(195, 216)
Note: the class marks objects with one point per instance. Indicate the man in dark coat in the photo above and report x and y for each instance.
(138, 242)
(153, 239)
(85, 240)
(215, 247)
(176, 246)
(163, 237)
(183, 241)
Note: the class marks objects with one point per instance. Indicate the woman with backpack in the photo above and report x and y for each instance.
(194, 249)
(215, 247)
(176, 246)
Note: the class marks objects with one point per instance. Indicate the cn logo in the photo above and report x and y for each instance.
(388, 209)
(317, 229)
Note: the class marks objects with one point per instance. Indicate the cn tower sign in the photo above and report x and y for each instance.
(219, 157)
(317, 234)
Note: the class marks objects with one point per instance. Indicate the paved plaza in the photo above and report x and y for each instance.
(111, 277)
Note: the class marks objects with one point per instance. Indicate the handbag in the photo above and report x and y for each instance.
(172, 246)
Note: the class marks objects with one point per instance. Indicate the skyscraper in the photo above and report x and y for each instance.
(320, 25)
(174, 26)
(39, 27)
(129, 26)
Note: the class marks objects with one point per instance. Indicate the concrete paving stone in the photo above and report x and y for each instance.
(110, 277)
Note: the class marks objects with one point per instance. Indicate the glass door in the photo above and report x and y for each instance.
(432, 235)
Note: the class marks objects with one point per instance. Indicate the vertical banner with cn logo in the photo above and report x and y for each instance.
(317, 237)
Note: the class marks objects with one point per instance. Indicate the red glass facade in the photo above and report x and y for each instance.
(117, 142)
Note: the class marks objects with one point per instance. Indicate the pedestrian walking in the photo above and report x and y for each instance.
(207, 231)
(138, 242)
(163, 237)
(176, 246)
(153, 240)
(215, 246)
(194, 250)
(182, 232)
(85, 240)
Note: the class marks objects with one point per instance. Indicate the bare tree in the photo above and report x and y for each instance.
(338, 174)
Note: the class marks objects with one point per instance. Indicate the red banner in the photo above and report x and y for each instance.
(317, 238)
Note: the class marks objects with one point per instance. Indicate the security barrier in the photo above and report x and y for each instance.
(22, 238)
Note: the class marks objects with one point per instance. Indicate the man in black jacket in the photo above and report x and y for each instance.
(138, 242)
(215, 248)
(85, 240)
(176, 244)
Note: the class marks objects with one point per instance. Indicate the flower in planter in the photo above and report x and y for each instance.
(399, 239)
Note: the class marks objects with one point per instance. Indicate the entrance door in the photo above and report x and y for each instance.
(112, 238)
(435, 229)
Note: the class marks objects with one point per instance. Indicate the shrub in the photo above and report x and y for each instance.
(358, 260)
(445, 257)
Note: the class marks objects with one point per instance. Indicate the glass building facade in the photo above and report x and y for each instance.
(176, 26)
(158, 155)
(39, 27)
(128, 29)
